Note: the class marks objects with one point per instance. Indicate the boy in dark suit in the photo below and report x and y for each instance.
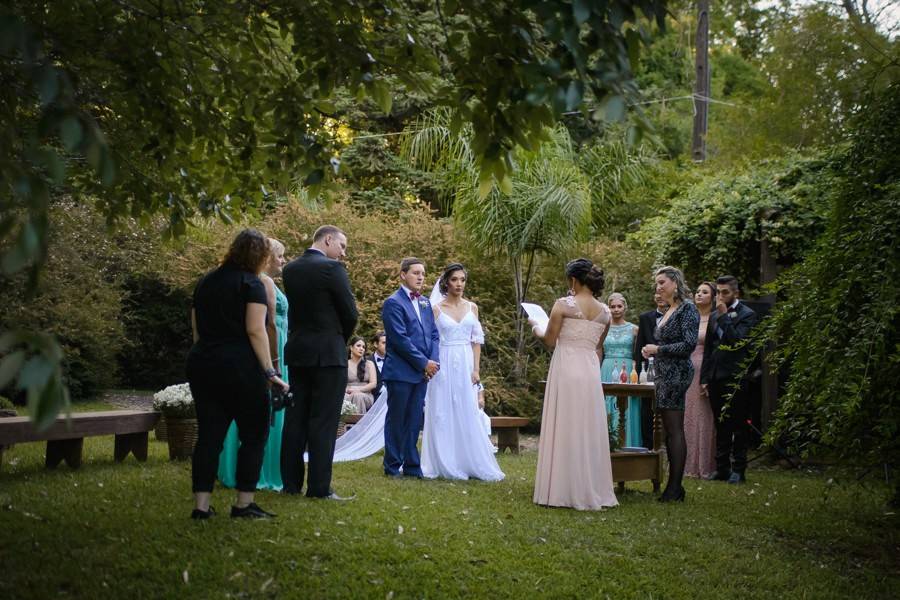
(721, 372)
(412, 360)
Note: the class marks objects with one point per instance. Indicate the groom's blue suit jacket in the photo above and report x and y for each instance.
(410, 343)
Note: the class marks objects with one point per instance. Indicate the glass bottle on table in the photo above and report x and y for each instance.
(651, 371)
(623, 374)
(633, 378)
(643, 377)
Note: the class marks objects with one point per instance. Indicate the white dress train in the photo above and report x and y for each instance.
(366, 437)
(454, 444)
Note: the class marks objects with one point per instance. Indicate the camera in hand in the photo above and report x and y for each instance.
(279, 400)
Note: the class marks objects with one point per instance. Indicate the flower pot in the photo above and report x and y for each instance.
(162, 430)
(182, 437)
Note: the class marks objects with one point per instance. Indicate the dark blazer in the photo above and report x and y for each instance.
(646, 335)
(410, 343)
(379, 381)
(720, 364)
(322, 313)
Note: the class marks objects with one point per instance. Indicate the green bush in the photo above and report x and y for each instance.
(78, 300)
(717, 225)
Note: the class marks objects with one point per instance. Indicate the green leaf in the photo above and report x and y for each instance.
(582, 11)
(52, 399)
(485, 184)
(382, 96)
(49, 84)
(506, 185)
(614, 108)
(70, 133)
(36, 372)
(574, 95)
(10, 366)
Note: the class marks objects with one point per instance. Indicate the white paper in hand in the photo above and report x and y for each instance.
(537, 314)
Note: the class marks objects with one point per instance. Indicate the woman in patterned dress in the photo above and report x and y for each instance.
(676, 337)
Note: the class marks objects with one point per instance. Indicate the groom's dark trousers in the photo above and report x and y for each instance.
(321, 317)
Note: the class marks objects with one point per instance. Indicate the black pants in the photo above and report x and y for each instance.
(311, 425)
(732, 431)
(224, 392)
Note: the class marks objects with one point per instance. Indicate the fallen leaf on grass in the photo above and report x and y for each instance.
(236, 575)
(185, 577)
(266, 584)
(399, 529)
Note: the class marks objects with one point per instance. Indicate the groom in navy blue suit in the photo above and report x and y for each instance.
(412, 360)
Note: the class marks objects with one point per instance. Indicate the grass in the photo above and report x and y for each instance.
(121, 530)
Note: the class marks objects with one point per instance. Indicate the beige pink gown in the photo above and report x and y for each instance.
(699, 425)
(574, 468)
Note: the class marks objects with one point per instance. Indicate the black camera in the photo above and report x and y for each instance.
(279, 400)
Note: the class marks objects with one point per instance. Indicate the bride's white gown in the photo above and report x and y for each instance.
(454, 445)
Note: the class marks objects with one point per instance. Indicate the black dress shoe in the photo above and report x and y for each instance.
(675, 497)
(718, 476)
(251, 511)
(333, 496)
(737, 477)
(199, 515)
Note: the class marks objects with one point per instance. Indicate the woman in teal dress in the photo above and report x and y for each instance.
(277, 328)
(618, 349)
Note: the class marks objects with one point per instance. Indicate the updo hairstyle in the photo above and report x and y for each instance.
(449, 270)
(586, 273)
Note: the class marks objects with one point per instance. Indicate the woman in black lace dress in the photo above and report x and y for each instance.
(676, 337)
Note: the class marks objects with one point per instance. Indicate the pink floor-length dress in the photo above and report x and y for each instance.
(574, 468)
(699, 425)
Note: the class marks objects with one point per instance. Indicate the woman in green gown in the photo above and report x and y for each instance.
(277, 327)
(618, 348)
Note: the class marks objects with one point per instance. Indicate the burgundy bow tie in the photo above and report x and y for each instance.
(414, 295)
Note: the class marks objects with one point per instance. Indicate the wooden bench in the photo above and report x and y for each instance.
(65, 437)
(507, 429)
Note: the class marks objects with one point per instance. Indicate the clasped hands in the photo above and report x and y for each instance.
(431, 369)
(649, 350)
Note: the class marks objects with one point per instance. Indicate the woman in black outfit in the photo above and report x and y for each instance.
(676, 337)
(228, 369)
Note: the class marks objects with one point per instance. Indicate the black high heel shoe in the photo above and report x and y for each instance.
(676, 497)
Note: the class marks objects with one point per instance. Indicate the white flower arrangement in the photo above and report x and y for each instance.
(175, 401)
(348, 408)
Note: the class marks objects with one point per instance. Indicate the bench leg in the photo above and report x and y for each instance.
(620, 487)
(135, 443)
(508, 438)
(655, 485)
(64, 450)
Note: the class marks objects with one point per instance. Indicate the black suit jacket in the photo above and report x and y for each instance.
(646, 335)
(378, 382)
(720, 364)
(322, 312)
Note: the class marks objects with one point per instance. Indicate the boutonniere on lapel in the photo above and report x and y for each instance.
(732, 314)
(423, 303)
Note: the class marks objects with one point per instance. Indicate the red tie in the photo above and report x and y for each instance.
(414, 295)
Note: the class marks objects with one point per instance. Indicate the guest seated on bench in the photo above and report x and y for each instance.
(361, 376)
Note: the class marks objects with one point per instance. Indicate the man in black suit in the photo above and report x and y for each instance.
(724, 371)
(646, 334)
(321, 318)
(379, 341)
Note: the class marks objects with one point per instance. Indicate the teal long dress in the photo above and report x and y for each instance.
(270, 474)
(617, 350)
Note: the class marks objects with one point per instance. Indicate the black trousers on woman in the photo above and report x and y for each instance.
(227, 389)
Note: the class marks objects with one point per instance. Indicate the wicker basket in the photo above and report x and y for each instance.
(182, 437)
(342, 428)
(162, 430)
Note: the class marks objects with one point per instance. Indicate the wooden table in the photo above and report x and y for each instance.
(636, 466)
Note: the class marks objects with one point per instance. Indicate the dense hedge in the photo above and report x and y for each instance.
(716, 225)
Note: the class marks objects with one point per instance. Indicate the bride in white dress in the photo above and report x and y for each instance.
(453, 442)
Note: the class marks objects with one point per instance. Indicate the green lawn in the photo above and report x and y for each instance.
(121, 531)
